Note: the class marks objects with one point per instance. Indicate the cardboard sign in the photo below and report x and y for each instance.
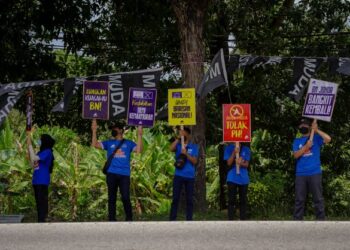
(236, 122)
(96, 100)
(320, 100)
(182, 106)
(142, 106)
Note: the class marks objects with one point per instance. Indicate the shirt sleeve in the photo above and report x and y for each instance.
(44, 156)
(319, 140)
(104, 144)
(195, 151)
(132, 146)
(247, 154)
(228, 152)
(295, 146)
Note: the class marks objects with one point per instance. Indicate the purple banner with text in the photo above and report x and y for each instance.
(96, 100)
(142, 106)
(320, 100)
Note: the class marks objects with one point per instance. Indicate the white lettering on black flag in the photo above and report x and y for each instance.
(216, 75)
(10, 87)
(304, 69)
(120, 84)
(8, 101)
(119, 89)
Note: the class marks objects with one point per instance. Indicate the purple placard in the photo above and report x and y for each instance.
(96, 100)
(142, 106)
(320, 105)
(320, 100)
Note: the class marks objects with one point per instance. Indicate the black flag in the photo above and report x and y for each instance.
(216, 75)
(71, 86)
(344, 66)
(304, 69)
(119, 89)
(11, 87)
(7, 102)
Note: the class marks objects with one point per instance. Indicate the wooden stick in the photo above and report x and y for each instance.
(312, 131)
(29, 110)
(237, 156)
(182, 137)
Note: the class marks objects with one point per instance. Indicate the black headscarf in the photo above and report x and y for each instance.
(47, 142)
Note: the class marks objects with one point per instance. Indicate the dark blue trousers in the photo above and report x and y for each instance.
(178, 183)
(115, 181)
(303, 185)
(42, 203)
(232, 200)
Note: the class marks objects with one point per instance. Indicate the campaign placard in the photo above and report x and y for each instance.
(320, 100)
(142, 106)
(182, 106)
(96, 100)
(236, 122)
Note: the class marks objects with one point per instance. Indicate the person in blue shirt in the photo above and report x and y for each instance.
(308, 168)
(42, 163)
(237, 183)
(184, 176)
(118, 173)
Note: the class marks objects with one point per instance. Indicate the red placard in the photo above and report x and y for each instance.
(236, 122)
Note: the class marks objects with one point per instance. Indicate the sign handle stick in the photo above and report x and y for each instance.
(237, 156)
(229, 92)
(312, 132)
(29, 110)
(182, 137)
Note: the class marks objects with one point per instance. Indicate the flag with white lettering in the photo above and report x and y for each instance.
(71, 86)
(216, 75)
(344, 66)
(120, 83)
(119, 89)
(7, 102)
(304, 69)
(10, 87)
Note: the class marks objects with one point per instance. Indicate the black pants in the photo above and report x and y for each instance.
(232, 200)
(42, 203)
(177, 187)
(303, 185)
(115, 181)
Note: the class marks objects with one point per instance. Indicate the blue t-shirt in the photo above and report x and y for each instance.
(188, 171)
(242, 178)
(121, 161)
(310, 162)
(41, 174)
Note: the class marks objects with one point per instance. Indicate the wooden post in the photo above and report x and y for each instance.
(182, 137)
(237, 156)
(312, 131)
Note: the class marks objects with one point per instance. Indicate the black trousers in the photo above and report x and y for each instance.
(42, 203)
(242, 190)
(178, 183)
(303, 185)
(115, 181)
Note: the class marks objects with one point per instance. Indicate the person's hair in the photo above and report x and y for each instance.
(47, 142)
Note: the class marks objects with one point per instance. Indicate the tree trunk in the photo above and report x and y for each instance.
(190, 15)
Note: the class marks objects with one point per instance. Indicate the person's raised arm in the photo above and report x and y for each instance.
(139, 145)
(32, 156)
(243, 163)
(192, 159)
(326, 138)
(172, 147)
(94, 142)
(302, 150)
(232, 157)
